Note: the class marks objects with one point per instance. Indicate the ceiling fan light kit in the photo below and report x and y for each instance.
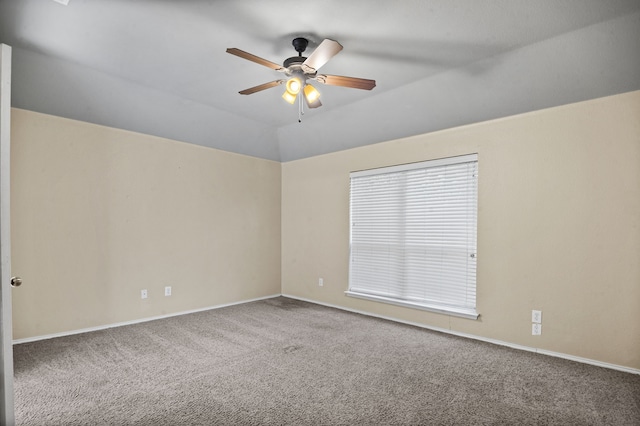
(311, 94)
(293, 85)
(299, 69)
(289, 97)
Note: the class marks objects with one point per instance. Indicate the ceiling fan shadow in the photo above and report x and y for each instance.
(445, 54)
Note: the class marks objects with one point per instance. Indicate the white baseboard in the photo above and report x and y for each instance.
(439, 329)
(138, 321)
(483, 339)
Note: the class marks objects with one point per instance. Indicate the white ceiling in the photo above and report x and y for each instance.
(159, 67)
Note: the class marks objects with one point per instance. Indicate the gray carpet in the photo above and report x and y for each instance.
(286, 362)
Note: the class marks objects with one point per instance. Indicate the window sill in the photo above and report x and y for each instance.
(440, 309)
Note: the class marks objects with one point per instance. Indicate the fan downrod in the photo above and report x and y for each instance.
(300, 44)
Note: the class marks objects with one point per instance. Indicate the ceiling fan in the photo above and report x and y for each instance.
(300, 69)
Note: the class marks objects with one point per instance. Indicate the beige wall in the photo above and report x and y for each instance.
(99, 214)
(558, 226)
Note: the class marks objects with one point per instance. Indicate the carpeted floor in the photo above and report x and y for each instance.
(286, 362)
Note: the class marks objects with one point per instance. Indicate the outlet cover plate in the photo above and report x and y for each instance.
(536, 329)
(167, 291)
(143, 294)
(536, 316)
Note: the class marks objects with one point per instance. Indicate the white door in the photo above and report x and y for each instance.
(7, 416)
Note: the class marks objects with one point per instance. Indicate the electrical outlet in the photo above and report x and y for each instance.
(320, 282)
(536, 329)
(143, 294)
(167, 291)
(536, 316)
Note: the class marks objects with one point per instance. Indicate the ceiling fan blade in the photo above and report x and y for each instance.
(261, 87)
(325, 51)
(253, 58)
(338, 80)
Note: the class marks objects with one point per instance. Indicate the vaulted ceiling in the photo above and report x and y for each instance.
(160, 67)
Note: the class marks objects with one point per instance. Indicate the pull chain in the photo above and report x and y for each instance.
(300, 108)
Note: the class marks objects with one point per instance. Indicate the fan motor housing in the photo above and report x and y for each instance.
(294, 60)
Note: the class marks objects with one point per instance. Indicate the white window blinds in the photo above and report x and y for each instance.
(413, 235)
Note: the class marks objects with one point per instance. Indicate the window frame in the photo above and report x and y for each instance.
(427, 305)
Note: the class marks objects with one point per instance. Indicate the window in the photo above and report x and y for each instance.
(413, 235)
